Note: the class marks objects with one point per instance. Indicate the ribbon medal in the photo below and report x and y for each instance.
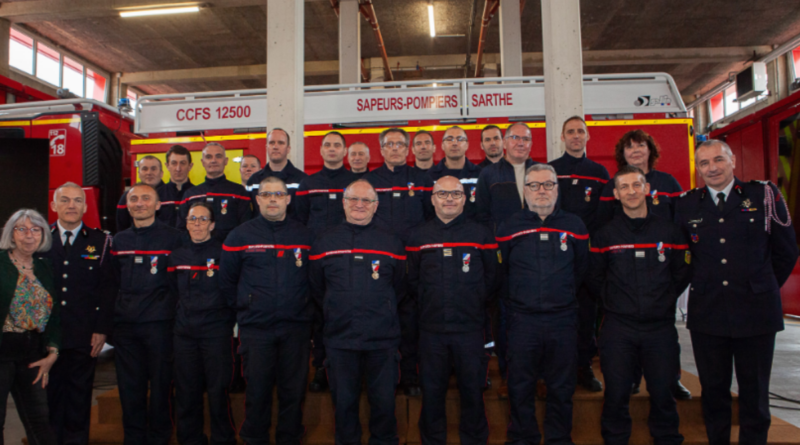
(410, 189)
(472, 194)
(210, 266)
(695, 238)
(654, 195)
(563, 239)
(154, 264)
(465, 260)
(376, 265)
(298, 256)
(661, 256)
(588, 194)
(224, 205)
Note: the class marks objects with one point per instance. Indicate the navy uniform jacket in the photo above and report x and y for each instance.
(662, 185)
(170, 211)
(290, 175)
(468, 177)
(84, 284)
(228, 199)
(203, 310)
(640, 267)
(144, 296)
(318, 200)
(359, 311)
(360, 175)
(485, 163)
(579, 179)
(264, 273)
(497, 197)
(543, 276)
(405, 198)
(452, 272)
(739, 268)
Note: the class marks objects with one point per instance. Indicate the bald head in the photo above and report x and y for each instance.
(448, 206)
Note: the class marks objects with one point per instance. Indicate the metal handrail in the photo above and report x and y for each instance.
(57, 102)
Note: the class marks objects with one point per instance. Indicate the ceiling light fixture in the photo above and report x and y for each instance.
(430, 20)
(159, 11)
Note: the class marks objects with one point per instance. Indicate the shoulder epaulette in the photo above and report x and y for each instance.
(757, 181)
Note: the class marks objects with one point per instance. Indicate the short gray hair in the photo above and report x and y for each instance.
(541, 168)
(358, 143)
(400, 131)
(36, 218)
(712, 142)
(67, 185)
(214, 144)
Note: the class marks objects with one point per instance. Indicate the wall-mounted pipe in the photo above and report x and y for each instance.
(368, 11)
(489, 10)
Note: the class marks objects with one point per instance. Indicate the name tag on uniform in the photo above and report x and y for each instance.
(358, 258)
(332, 196)
(138, 260)
(448, 252)
(209, 199)
(640, 254)
(574, 182)
(544, 237)
(396, 195)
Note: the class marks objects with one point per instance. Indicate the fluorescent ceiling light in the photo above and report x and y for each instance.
(430, 20)
(159, 11)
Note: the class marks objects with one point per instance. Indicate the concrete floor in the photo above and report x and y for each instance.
(785, 377)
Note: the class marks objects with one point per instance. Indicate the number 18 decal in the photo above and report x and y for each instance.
(58, 142)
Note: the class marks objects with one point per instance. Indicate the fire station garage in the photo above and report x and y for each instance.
(695, 103)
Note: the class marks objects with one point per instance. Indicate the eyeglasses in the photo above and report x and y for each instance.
(451, 139)
(443, 194)
(548, 185)
(395, 144)
(203, 220)
(32, 230)
(271, 194)
(516, 138)
(353, 200)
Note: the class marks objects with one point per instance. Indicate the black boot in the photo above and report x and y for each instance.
(680, 392)
(587, 379)
(635, 388)
(411, 388)
(320, 381)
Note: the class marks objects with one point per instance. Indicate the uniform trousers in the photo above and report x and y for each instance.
(69, 395)
(587, 326)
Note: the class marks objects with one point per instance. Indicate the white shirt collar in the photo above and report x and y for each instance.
(74, 231)
(726, 191)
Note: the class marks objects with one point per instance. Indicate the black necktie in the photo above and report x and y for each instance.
(720, 201)
(67, 244)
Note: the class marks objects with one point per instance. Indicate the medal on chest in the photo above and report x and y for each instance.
(410, 189)
(660, 249)
(154, 264)
(210, 267)
(465, 259)
(588, 194)
(376, 265)
(563, 239)
(654, 195)
(298, 257)
(224, 205)
(472, 194)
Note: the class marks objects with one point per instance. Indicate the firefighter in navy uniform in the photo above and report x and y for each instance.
(743, 250)
(358, 278)
(640, 266)
(278, 165)
(228, 199)
(544, 251)
(264, 274)
(452, 269)
(179, 164)
(456, 164)
(423, 147)
(358, 159)
(143, 316)
(150, 172)
(500, 195)
(318, 205)
(81, 259)
(203, 331)
(405, 203)
(492, 145)
(639, 149)
(580, 182)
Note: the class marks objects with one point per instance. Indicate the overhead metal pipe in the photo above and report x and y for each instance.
(368, 10)
(489, 10)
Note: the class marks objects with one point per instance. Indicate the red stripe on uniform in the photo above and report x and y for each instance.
(669, 195)
(400, 189)
(607, 198)
(314, 192)
(141, 252)
(122, 206)
(603, 181)
(263, 246)
(174, 268)
(638, 246)
(229, 195)
(342, 252)
(500, 239)
(443, 245)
